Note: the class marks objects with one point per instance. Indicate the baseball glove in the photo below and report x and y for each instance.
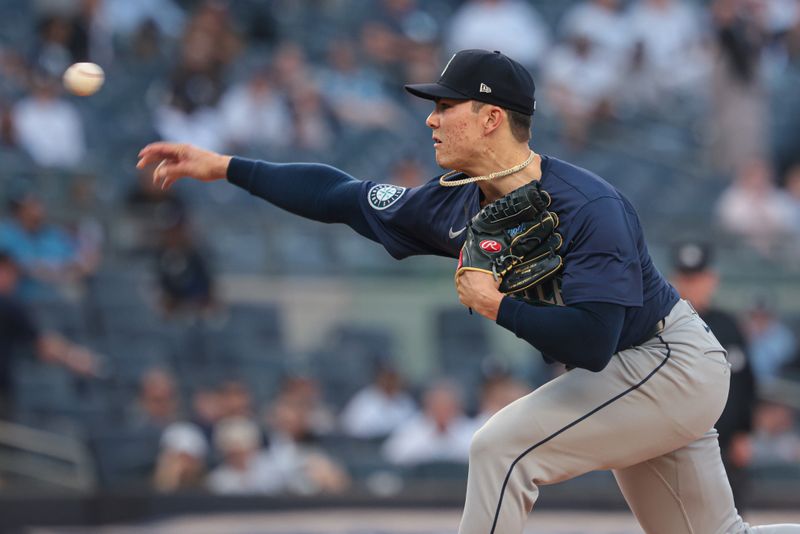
(514, 240)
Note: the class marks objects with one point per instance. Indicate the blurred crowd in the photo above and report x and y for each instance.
(225, 444)
(283, 79)
(237, 77)
(295, 80)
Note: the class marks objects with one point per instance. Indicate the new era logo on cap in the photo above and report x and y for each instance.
(484, 76)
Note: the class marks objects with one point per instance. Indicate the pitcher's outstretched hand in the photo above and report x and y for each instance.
(177, 160)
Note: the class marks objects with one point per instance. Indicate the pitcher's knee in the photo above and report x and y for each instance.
(483, 445)
(497, 441)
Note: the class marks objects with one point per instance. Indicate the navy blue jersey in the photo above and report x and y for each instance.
(429, 219)
(605, 255)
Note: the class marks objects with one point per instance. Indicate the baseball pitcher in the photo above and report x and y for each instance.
(555, 254)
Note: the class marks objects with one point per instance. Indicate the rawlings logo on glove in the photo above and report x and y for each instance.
(514, 240)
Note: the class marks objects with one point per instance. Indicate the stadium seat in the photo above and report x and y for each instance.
(125, 457)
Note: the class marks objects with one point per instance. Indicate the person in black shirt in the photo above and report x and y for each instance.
(18, 332)
(697, 282)
(183, 273)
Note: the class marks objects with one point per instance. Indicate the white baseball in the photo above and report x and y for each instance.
(84, 79)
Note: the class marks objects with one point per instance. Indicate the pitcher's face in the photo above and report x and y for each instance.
(456, 131)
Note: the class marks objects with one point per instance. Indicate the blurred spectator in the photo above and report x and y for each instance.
(383, 49)
(755, 209)
(48, 255)
(258, 21)
(146, 46)
(49, 127)
(407, 19)
(255, 115)
(208, 46)
(19, 331)
(739, 107)
(669, 40)
(292, 463)
(61, 43)
(580, 81)
(207, 410)
(784, 79)
(315, 125)
(377, 409)
(304, 391)
(232, 399)
(772, 344)
(235, 399)
(779, 16)
(151, 210)
(421, 64)
(602, 23)
(184, 278)
(442, 432)
(302, 467)
(212, 29)
(6, 125)
(157, 404)
(189, 121)
(85, 227)
(126, 18)
(314, 122)
(697, 282)
(100, 44)
(245, 468)
(145, 195)
(393, 32)
(792, 185)
(511, 26)
(71, 31)
(181, 463)
(777, 438)
(408, 172)
(356, 94)
(290, 67)
(14, 71)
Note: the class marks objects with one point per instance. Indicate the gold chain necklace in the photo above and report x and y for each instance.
(472, 179)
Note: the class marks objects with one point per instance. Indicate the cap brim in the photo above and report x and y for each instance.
(433, 91)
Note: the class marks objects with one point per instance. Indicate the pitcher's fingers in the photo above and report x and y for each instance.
(158, 177)
(146, 160)
(155, 152)
(162, 150)
(151, 157)
(171, 179)
(169, 172)
(166, 179)
(162, 174)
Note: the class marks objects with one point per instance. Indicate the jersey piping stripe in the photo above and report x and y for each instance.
(564, 429)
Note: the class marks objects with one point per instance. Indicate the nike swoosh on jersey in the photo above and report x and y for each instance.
(453, 234)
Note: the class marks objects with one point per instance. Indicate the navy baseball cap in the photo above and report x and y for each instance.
(490, 77)
(692, 257)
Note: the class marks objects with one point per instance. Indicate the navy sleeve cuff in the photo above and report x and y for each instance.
(507, 314)
(241, 171)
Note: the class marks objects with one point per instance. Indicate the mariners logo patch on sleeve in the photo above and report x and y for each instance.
(382, 196)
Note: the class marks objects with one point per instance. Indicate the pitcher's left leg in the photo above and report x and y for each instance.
(579, 422)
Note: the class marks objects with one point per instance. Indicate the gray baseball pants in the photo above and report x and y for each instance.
(646, 417)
